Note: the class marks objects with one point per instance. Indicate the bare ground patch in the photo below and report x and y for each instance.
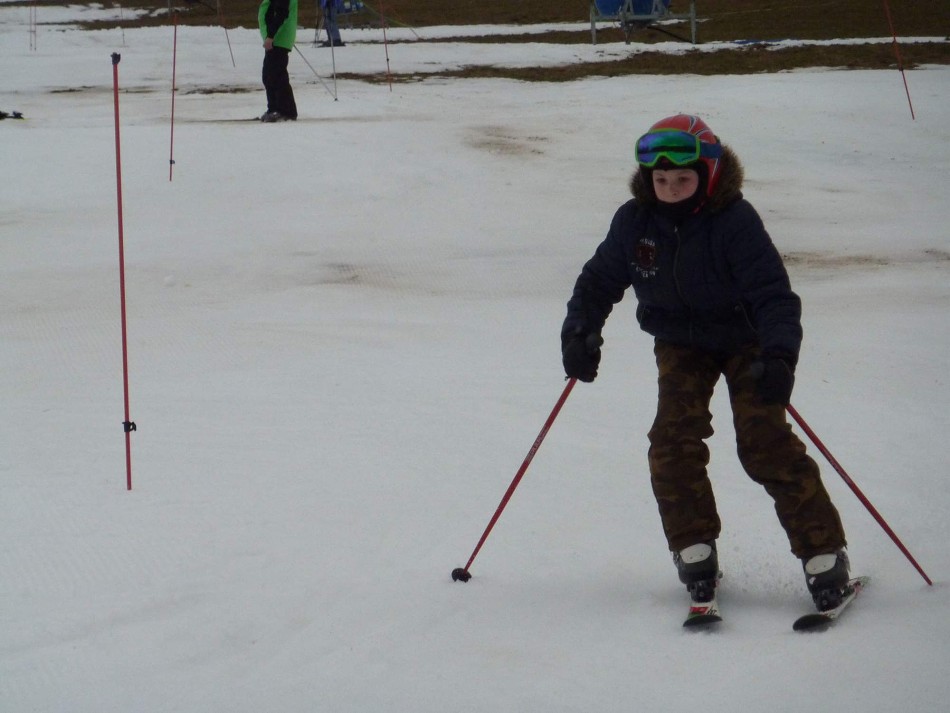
(831, 261)
(502, 140)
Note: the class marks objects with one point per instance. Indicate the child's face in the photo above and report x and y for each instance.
(675, 185)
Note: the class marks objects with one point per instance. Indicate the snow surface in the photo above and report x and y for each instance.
(343, 340)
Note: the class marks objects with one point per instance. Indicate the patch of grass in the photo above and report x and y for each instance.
(719, 20)
(747, 60)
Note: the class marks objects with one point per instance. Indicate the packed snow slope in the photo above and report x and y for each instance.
(342, 342)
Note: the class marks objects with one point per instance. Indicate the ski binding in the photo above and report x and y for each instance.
(702, 614)
(703, 606)
(819, 621)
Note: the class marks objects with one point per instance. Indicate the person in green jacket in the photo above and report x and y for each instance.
(278, 22)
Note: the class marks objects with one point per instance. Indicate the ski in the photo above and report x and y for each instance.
(233, 120)
(702, 614)
(819, 621)
(252, 120)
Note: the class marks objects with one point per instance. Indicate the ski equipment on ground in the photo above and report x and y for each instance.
(819, 621)
(703, 606)
(702, 614)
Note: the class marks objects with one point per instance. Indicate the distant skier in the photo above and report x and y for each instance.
(278, 23)
(331, 9)
(713, 291)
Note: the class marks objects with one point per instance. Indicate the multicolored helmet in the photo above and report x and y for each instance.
(680, 141)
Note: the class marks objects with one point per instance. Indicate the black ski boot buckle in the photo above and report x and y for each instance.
(830, 598)
(703, 590)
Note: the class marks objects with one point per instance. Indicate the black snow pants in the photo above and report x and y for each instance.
(280, 95)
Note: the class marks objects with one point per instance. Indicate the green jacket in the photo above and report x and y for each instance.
(278, 20)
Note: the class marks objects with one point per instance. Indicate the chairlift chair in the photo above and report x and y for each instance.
(636, 15)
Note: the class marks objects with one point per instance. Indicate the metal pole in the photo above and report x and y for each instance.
(171, 149)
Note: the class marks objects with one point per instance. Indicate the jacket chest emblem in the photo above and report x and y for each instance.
(645, 263)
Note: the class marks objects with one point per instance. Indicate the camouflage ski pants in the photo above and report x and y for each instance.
(768, 450)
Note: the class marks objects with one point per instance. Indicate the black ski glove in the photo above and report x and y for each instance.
(580, 353)
(774, 379)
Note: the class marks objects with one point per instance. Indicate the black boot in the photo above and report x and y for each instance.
(827, 577)
(698, 568)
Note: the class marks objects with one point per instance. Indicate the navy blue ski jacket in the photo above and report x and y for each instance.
(713, 280)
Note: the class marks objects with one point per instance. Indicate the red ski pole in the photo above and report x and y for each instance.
(857, 491)
(462, 573)
(897, 55)
(128, 425)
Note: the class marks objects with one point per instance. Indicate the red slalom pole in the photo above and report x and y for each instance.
(857, 491)
(897, 54)
(171, 148)
(462, 573)
(128, 425)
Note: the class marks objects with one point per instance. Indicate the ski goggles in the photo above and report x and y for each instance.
(680, 148)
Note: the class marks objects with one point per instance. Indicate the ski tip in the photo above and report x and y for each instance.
(702, 621)
(702, 615)
(812, 622)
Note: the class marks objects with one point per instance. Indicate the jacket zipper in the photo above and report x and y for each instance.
(676, 280)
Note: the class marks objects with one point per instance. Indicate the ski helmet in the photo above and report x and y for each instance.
(698, 128)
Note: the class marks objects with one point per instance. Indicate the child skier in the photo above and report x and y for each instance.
(713, 291)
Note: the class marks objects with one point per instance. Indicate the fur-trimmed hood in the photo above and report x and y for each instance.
(727, 190)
